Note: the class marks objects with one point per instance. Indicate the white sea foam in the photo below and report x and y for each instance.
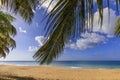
(76, 67)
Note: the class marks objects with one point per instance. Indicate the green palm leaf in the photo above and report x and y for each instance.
(21, 7)
(7, 30)
(117, 27)
(67, 20)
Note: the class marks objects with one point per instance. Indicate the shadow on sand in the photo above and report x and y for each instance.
(11, 77)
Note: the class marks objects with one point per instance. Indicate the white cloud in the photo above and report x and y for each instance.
(88, 40)
(32, 48)
(40, 40)
(22, 30)
(108, 25)
(46, 5)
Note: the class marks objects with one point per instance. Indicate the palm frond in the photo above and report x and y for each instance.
(7, 30)
(67, 20)
(5, 22)
(117, 27)
(21, 7)
(59, 33)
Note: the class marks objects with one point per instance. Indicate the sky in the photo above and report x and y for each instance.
(100, 45)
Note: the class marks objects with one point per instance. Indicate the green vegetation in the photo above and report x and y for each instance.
(6, 31)
(66, 20)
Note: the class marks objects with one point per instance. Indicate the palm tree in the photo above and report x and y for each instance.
(7, 31)
(67, 20)
(22, 7)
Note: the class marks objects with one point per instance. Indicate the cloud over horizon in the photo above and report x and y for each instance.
(88, 40)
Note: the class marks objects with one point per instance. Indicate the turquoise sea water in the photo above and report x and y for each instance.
(69, 64)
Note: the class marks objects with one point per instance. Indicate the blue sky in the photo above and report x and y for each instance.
(100, 45)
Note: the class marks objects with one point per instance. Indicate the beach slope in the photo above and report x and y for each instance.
(10, 72)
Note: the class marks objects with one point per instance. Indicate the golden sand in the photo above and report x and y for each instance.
(10, 72)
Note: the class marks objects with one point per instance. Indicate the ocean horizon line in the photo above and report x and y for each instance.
(68, 64)
(59, 60)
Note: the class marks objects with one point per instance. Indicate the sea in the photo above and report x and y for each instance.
(69, 64)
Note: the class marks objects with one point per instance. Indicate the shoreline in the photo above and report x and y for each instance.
(13, 72)
(72, 67)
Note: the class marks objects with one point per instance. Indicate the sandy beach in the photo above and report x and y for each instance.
(10, 72)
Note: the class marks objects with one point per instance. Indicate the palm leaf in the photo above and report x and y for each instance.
(21, 7)
(67, 20)
(117, 27)
(7, 31)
